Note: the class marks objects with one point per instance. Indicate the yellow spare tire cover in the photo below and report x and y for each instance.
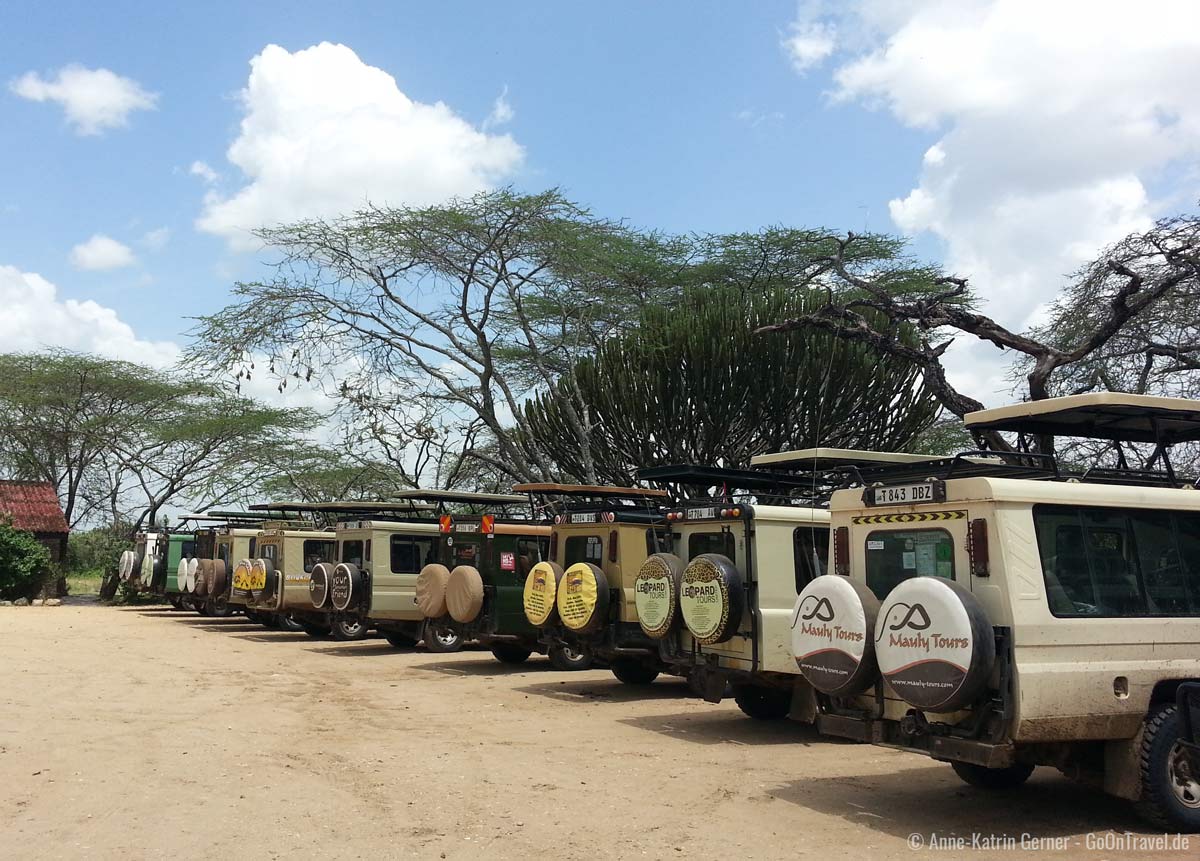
(464, 594)
(583, 597)
(541, 589)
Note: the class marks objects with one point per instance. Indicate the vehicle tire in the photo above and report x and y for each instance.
(568, 659)
(287, 623)
(399, 639)
(982, 777)
(350, 630)
(176, 601)
(763, 703)
(510, 654)
(1170, 791)
(440, 638)
(317, 632)
(633, 672)
(269, 621)
(219, 607)
(251, 615)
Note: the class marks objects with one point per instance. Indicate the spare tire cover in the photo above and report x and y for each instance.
(464, 593)
(203, 576)
(159, 574)
(139, 553)
(833, 635)
(181, 575)
(193, 567)
(541, 592)
(259, 574)
(318, 584)
(345, 585)
(712, 598)
(582, 598)
(147, 571)
(431, 590)
(243, 575)
(656, 593)
(125, 564)
(934, 644)
(218, 583)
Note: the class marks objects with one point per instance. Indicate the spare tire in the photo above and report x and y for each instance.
(181, 576)
(318, 584)
(712, 598)
(656, 593)
(203, 576)
(346, 585)
(125, 565)
(833, 635)
(464, 594)
(260, 571)
(431, 590)
(243, 575)
(934, 644)
(147, 572)
(218, 583)
(541, 592)
(135, 570)
(583, 598)
(159, 572)
(192, 569)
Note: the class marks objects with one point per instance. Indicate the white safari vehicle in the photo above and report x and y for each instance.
(1000, 614)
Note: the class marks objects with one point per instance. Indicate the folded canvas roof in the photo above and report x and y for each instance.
(822, 459)
(1098, 415)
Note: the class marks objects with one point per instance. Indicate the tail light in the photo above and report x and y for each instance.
(977, 547)
(612, 546)
(444, 522)
(487, 524)
(841, 551)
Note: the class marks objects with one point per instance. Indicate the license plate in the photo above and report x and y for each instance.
(701, 513)
(466, 527)
(583, 518)
(907, 494)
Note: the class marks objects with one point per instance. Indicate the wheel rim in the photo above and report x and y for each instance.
(445, 636)
(572, 656)
(1183, 783)
(351, 629)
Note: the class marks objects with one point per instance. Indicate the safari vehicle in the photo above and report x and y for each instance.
(583, 597)
(207, 583)
(381, 548)
(742, 555)
(475, 584)
(161, 552)
(999, 613)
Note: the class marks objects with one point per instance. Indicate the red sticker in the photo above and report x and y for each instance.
(508, 561)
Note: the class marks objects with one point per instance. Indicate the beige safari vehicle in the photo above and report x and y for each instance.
(274, 584)
(745, 554)
(999, 614)
(584, 598)
(205, 577)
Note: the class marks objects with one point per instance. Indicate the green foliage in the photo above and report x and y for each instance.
(946, 436)
(692, 383)
(24, 563)
(93, 551)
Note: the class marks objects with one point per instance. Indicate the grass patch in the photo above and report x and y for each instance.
(84, 583)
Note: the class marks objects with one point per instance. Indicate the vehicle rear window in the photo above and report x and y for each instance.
(530, 551)
(316, 552)
(352, 552)
(896, 555)
(188, 549)
(1112, 562)
(659, 541)
(409, 554)
(270, 551)
(810, 545)
(583, 548)
(710, 542)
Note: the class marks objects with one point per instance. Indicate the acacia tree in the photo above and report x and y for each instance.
(1128, 321)
(692, 384)
(461, 310)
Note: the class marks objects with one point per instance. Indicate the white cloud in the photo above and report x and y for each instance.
(156, 239)
(35, 318)
(502, 111)
(323, 133)
(1052, 124)
(202, 170)
(101, 252)
(808, 44)
(94, 99)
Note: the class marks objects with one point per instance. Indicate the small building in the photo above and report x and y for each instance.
(33, 506)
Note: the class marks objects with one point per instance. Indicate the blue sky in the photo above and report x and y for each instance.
(1002, 137)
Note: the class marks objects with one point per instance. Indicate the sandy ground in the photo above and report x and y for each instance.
(142, 732)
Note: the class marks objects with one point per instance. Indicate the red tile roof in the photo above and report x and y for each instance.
(33, 506)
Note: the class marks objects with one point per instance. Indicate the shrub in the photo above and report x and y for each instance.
(95, 551)
(24, 563)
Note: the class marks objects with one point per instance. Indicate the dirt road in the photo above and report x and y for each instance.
(147, 733)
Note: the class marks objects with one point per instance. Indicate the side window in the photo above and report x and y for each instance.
(408, 555)
(583, 548)
(810, 544)
(223, 555)
(896, 555)
(352, 552)
(188, 549)
(316, 552)
(253, 546)
(659, 541)
(710, 542)
(368, 550)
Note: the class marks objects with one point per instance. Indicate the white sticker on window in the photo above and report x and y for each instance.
(874, 545)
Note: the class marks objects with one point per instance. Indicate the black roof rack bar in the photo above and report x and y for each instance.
(736, 479)
(967, 464)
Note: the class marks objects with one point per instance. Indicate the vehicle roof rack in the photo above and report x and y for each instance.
(1097, 415)
(462, 496)
(626, 504)
(589, 491)
(967, 464)
(733, 479)
(346, 507)
(822, 459)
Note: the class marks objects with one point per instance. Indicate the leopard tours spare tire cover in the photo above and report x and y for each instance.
(582, 598)
(318, 584)
(712, 598)
(656, 593)
(934, 644)
(464, 593)
(431, 590)
(833, 635)
(346, 585)
(540, 598)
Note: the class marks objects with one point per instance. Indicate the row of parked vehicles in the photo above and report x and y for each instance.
(993, 610)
